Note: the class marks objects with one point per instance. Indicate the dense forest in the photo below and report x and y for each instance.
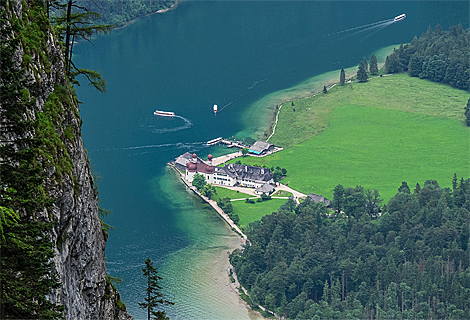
(411, 261)
(119, 12)
(440, 56)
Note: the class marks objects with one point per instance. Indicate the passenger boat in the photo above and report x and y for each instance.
(214, 141)
(164, 113)
(400, 17)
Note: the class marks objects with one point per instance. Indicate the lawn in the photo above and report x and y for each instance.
(249, 212)
(224, 192)
(376, 134)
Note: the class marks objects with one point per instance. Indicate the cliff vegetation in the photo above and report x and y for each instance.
(52, 239)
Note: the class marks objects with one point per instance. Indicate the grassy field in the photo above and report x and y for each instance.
(224, 192)
(257, 118)
(397, 92)
(380, 133)
(249, 212)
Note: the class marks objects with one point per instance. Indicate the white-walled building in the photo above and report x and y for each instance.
(229, 175)
(195, 166)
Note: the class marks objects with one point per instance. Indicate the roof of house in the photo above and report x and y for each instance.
(183, 159)
(199, 167)
(240, 171)
(260, 146)
(318, 198)
(266, 188)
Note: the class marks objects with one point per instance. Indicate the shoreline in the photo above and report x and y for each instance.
(265, 108)
(213, 204)
(130, 22)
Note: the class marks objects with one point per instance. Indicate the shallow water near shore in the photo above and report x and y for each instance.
(242, 56)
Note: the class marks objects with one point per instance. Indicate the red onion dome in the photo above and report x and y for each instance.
(191, 166)
(209, 157)
(194, 156)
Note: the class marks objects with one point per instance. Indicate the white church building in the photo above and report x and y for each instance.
(230, 175)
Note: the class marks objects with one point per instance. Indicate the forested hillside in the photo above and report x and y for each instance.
(119, 12)
(411, 262)
(440, 56)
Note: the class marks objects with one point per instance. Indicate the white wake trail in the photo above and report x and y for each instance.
(369, 25)
(187, 124)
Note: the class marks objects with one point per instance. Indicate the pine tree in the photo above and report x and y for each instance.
(325, 90)
(27, 275)
(361, 73)
(467, 114)
(154, 296)
(342, 77)
(74, 23)
(366, 66)
(373, 68)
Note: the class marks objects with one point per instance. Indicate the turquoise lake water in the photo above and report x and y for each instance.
(230, 53)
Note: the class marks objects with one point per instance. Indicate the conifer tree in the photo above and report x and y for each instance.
(75, 22)
(342, 77)
(467, 114)
(366, 66)
(325, 90)
(154, 297)
(373, 68)
(361, 73)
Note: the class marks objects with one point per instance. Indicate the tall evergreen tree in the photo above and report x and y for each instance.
(373, 67)
(74, 23)
(154, 297)
(342, 77)
(467, 114)
(361, 73)
(325, 90)
(338, 198)
(366, 66)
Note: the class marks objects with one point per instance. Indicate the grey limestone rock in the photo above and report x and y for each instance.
(77, 235)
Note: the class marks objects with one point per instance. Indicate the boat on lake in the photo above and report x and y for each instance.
(400, 17)
(164, 113)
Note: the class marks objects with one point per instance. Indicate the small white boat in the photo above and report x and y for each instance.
(400, 17)
(164, 113)
(215, 108)
(214, 141)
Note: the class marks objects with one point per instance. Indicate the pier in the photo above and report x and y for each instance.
(232, 144)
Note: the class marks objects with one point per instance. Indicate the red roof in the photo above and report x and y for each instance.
(199, 167)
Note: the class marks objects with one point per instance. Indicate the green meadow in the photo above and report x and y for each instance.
(224, 192)
(375, 134)
(248, 212)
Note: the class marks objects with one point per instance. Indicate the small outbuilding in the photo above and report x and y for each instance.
(182, 160)
(265, 188)
(319, 198)
(261, 147)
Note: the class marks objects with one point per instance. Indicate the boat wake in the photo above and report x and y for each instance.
(152, 127)
(149, 148)
(254, 84)
(363, 27)
(241, 95)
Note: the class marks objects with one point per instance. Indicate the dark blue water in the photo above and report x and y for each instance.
(186, 60)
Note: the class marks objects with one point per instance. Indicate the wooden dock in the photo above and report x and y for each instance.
(233, 144)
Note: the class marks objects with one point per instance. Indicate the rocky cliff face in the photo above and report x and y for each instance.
(78, 237)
